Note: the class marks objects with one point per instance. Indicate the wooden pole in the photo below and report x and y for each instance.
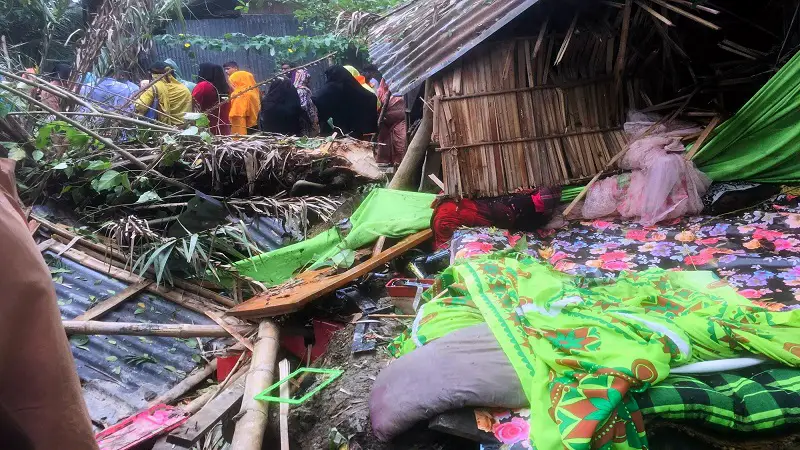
(249, 433)
(185, 385)
(183, 330)
(409, 167)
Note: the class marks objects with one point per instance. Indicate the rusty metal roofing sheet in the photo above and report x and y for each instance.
(422, 37)
(113, 386)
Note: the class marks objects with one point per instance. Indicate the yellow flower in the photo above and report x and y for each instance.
(290, 50)
(752, 244)
(685, 236)
(187, 45)
(594, 263)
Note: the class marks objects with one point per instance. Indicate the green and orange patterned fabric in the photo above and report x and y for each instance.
(581, 346)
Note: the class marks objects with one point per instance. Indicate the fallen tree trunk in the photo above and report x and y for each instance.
(249, 433)
(412, 161)
(91, 327)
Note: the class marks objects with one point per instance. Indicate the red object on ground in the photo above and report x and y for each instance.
(396, 288)
(225, 365)
(141, 427)
(323, 331)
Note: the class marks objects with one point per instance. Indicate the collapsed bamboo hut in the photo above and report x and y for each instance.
(529, 93)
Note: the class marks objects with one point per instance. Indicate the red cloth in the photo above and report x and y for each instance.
(523, 212)
(449, 215)
(205, 96)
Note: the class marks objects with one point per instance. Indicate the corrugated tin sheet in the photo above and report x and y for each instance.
(259, 64)
(422, 37)
(114, 388)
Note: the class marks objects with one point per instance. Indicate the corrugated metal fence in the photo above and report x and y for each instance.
(260, 64)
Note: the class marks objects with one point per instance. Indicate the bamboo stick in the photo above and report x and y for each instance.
(185, 385)
(687, 14)
(93, 327)
(283, 372)
(703, 137)
(249, 432)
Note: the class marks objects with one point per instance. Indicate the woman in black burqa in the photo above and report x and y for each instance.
(344, 101)
(281, 111)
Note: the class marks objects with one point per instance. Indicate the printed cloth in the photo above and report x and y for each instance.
(756, 252)
(745, 403)
(581, 346)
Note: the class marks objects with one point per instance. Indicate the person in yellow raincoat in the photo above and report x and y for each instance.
(245, 104)
(168, 96)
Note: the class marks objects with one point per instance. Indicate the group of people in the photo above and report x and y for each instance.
(348, 103)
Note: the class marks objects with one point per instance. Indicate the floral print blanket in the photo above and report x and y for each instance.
(756, 252)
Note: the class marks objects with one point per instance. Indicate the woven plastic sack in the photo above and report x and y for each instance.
(605, 196)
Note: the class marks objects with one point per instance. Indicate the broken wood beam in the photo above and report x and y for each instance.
(218, 409)
(107, 305)
(317, 284)
(218, 317)
(249, 432)
(182, 330)
(186, 385)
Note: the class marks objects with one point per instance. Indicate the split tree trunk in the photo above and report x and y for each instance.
(249, 433)
(412, 161)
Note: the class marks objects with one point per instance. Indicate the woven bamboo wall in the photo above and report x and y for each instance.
(507, 117)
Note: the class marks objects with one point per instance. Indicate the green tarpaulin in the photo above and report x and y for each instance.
(384, 212)
(761, 142)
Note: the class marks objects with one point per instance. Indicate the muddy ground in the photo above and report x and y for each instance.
(344, 405)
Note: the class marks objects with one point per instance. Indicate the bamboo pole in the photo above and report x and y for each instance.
(183, 330)
(249, 432)
(185, 385)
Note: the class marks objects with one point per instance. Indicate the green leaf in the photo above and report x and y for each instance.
(112, 342)
(203, 121)
(191, 343)
(37, 155)
(79, 339)
(139, 311)
(98, 164)
(111, 358)
(16, 153)
(117, 370)
(192, 245)
(206, 137)
(107, 181)
(197, 358)
(60, 166)
(192, 116)
(149, 196)
(191, 131)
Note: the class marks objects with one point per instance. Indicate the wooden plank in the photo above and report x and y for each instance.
(220, 407)
(318, 285)
(703, 137)
(619, 66)
(217, 317)
(107, 305)
(45, 245)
